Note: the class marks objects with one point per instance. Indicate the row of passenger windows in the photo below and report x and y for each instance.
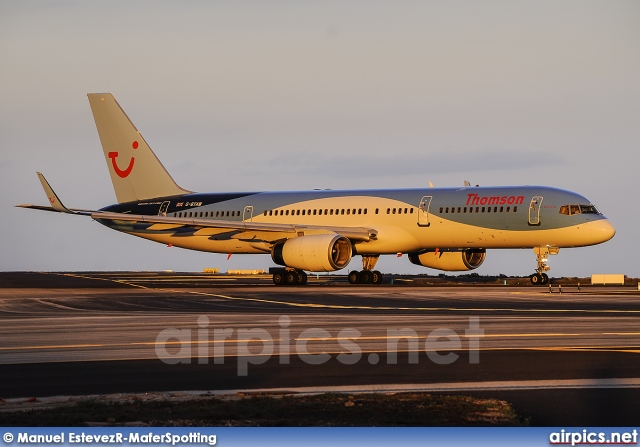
(478, 209)
(335, 212)
(570, 210)
(317, 212)
(208, 214)
(305, 212)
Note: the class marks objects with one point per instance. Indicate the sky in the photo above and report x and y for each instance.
(295, 95)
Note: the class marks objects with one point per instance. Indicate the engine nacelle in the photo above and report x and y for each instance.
(314, 253)
(468, 259)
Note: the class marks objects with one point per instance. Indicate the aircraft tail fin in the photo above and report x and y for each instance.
(136, 172)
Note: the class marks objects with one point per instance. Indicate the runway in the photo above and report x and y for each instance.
(90, 333)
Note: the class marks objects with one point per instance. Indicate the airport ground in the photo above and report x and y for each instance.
(561, 359)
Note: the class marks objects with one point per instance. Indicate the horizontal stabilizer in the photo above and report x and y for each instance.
(55, 202)
(56, 205)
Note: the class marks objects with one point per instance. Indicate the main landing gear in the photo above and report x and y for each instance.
(540, 278)
(286, 277)
(366, 275)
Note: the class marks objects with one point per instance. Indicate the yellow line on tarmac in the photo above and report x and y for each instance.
(345, 307)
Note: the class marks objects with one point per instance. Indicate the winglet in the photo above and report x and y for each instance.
(53, 198)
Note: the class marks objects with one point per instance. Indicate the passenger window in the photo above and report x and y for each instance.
(515, 208)
(440, 210)
(365, 211)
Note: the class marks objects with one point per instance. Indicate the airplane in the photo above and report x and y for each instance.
(448, 229)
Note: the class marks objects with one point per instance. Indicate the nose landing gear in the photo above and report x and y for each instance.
(540, 278)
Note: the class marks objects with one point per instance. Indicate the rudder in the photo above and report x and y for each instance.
(136, 172)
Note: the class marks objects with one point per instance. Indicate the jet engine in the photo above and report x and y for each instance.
(460, 260)
(314, 253)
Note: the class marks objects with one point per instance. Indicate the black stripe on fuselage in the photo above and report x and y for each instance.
(176, 203)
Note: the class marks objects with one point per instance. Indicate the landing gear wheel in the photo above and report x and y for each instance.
(291, 278)
(536, 279)
(366, 277)
(278, 278)
(377, 277)
(302, 277)
(545, 279)
(354, 277)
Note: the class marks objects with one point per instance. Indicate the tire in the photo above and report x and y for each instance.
(354, 277)
(536, 279)
(291, 278)
(366, 277)
(278, 279)
(302, 277)
(377, 277)
(545, 279)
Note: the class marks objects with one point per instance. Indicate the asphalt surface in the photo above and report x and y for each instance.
(561, 359)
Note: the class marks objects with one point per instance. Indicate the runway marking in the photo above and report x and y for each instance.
(512, 385)
(616, 348)
(345, 307)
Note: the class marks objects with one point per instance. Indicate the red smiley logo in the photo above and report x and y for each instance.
(123, 173)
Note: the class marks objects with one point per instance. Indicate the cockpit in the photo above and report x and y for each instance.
(570, 210)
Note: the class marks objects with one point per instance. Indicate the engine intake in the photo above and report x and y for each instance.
(460, 261)
(314, 253)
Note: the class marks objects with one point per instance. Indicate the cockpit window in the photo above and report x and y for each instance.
(588, 209)
(570, 210)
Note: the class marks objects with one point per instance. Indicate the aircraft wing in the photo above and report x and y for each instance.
(270, 232)
(279, 231)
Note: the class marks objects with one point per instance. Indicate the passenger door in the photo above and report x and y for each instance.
(247, 216)
(534, 210)
(423, 211)
(163, 208)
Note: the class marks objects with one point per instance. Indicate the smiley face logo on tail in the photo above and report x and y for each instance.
(123, 173)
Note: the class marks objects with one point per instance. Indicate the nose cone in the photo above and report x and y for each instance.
(602, 230)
